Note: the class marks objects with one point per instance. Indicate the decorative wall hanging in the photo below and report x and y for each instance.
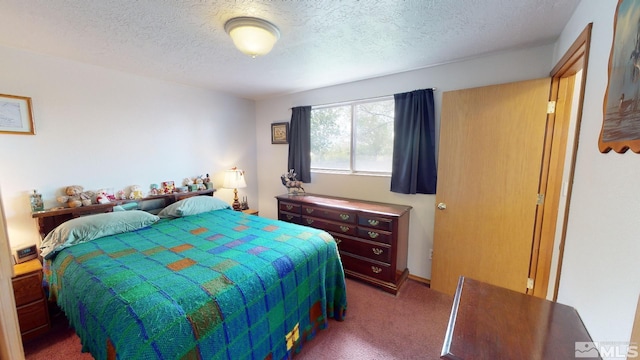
(280, 133)
(621, 108)
(16, 116)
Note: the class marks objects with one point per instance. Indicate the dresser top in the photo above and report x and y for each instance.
(348, 204)
(490, 322)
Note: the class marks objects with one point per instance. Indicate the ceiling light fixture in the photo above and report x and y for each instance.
(252, 36)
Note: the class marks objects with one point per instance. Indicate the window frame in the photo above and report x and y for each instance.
(351, 170)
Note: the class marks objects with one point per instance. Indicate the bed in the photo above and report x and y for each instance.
(195, 282)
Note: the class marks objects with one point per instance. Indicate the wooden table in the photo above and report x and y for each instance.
(490, 322)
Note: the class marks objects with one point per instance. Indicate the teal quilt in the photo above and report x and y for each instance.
(217, 285)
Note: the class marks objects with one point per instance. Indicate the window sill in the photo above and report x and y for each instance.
(360, 173)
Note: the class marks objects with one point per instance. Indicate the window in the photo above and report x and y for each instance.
(354, 137)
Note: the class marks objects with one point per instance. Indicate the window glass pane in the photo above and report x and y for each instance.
(331, 138)
(373, 146)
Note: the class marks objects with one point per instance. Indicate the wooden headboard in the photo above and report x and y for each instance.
(50, 219)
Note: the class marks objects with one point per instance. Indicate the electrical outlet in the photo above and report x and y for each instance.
(430, 254)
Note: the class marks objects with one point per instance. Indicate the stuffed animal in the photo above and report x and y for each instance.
(153, 189)
(136, 192)
(102, 197)
(199, 182)
(75, 196)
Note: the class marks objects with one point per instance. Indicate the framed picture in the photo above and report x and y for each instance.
(280, 133)
(16, 116)
(621, 108)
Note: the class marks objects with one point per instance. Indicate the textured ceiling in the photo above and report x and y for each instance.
(322, 43)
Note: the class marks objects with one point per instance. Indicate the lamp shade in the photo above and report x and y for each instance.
(234, 179)
(252, 36)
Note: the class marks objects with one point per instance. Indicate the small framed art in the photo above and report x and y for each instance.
(280, 133)
(621, 119)
(16, 115)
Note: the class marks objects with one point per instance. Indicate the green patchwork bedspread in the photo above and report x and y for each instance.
(218, 285)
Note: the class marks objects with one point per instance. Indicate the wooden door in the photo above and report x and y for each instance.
(491, 143)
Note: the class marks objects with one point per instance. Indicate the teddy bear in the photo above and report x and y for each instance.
(136, 192)
(75, 196)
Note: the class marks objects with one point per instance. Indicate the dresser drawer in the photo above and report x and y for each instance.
(289, 207)
(27, 288)
(330, 214)
(373, 269)
(340, 228)
(375, 235)
(374, 222)
(289, 217)
(33, 315)
(367, 249)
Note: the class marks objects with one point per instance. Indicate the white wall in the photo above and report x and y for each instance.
(601, 273)
(272, 159)
(103, 128)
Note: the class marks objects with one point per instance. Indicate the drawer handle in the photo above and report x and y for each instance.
(338, 241)
(309, 211)
(344, 228)
(289, 217)
(376, 269)
(376, 251)
(289, 207)
(373, 234)
(309, 221)
(373, 222)
(344, 216)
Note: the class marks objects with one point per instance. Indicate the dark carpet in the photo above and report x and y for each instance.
(378, 325)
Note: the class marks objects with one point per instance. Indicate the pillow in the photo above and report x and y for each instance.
(192, 206)
(87, 228)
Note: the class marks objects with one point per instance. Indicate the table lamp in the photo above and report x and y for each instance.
(234, 179)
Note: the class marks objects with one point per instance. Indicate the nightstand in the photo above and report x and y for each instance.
(251, 211)
(31, 304)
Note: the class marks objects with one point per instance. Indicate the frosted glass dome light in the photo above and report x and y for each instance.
(252, 36)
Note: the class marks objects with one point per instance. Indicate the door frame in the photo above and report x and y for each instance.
(553, 164)
(10, 340)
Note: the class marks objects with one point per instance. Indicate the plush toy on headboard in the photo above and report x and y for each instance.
(102, 197)
(75, 196)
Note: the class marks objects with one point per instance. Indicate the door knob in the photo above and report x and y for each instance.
(442, 206)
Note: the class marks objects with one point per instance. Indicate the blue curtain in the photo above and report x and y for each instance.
(300, 143)
(414, 164)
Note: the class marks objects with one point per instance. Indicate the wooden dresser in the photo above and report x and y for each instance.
(372, 237)
(490, 322)
(31, 304)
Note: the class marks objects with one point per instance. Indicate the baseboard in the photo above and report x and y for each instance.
(420, 279)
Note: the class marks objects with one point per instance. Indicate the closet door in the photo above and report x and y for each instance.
(490, 153)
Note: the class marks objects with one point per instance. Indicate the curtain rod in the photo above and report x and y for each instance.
(356, 100)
